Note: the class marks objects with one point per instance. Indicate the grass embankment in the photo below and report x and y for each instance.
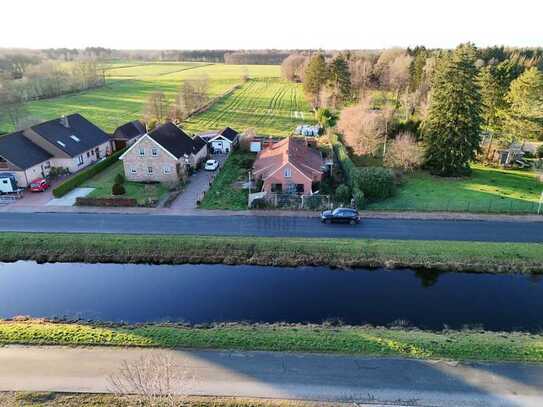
(226, 191)
(46, 399)
(487, 190)
(458, 345)
(435, 255)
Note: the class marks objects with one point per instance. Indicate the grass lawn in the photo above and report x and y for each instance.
(224, 193)
(130, 83)
(272, 106)
(486, 190)
(103, 182)
(457, 345)
(431, 255)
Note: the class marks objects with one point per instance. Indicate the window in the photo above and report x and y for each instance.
(133, 170)
(74, 138)
(88, 154)
(60, 143)
(154, 152)
(142, 152)
(149, 170)
(92, 152)
(287, 173)
(167, 170)
(80, 160)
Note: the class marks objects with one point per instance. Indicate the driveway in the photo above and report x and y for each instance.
(198, 185)
(284, 375)
(70, 198)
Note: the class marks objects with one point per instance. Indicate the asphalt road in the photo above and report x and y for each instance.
(279, 226)
(283, 375)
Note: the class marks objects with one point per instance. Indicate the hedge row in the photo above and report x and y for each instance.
(372, 183)
(110, 202)
(86, 174)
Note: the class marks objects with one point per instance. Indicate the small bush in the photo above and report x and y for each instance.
(343, 193)
(358, 197)
(539, 151)
(119, 179)
(258, 203)
(118, 189)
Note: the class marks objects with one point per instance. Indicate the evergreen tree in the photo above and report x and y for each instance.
(315, 77)
(492, 97)
(524, 118)
(340, 79)
(416, 69)
(452, 128)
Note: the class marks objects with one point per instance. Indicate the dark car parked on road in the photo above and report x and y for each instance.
(341, 215)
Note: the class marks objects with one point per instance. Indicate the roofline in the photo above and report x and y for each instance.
(15, 165)
(153, 140)
(221, 136)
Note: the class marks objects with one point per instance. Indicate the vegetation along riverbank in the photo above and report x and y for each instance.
(373, 341)
(432, 255)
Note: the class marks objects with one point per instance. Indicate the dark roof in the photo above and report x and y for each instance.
(130, 130)
(173, 139)
(229, 133)
(199, 143)
(89, 135)
(22, 152)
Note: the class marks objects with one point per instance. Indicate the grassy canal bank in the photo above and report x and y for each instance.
(436, 255)
(411, 343)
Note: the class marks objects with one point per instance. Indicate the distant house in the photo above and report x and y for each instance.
(289, 166)
(127, 134)
(163, 154)
(223, 141)
(70, 142)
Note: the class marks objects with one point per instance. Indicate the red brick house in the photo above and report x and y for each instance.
(289, 166)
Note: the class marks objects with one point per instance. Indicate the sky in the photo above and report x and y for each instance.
(284, 24)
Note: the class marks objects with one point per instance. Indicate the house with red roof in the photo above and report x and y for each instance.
(289, 166)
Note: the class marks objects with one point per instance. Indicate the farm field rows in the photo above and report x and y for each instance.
(272, 106)
(130, 83)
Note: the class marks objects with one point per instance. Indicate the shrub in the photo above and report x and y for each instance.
(343, 193)
(258, 203)
(88, 173)
(539, 151)
(118, 189)
(358, 197)
(119, 179)
(375, 182)
(111, 202)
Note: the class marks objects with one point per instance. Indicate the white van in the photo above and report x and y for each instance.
(8, 183)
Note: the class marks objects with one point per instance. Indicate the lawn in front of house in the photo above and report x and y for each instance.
(487, 190)
(103, 182)
(226, 191)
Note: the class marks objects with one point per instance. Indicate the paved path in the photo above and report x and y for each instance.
(199, 183)
(70, 198)
(281, 226)
(285, 375)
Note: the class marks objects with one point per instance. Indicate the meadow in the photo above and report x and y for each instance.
(130, 83)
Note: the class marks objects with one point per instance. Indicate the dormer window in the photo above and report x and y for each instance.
(60, 143)
(287, 173)
(74, 138)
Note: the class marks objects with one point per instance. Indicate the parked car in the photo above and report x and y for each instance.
(211, 165)
(39, 185)
(341, 215)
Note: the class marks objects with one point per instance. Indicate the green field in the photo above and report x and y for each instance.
(487, 190)
(270, 105)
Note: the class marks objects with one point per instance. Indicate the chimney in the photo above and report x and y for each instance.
(64, 121)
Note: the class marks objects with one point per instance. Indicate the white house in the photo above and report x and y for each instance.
(222, 142)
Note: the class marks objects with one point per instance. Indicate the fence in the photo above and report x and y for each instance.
(497, 206)
(293, 201)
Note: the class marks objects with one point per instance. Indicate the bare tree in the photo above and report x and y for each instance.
(156, 379)
(246, 138)
(12, 103)
(156, 107)
(361, 71)
(404, 153)
(363, 128)
(293, 66)
(398, 74)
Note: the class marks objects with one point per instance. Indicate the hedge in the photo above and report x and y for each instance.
(86, 174)
(372, 183)
(111, 202)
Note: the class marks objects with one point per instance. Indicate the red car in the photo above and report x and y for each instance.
(39, 185)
